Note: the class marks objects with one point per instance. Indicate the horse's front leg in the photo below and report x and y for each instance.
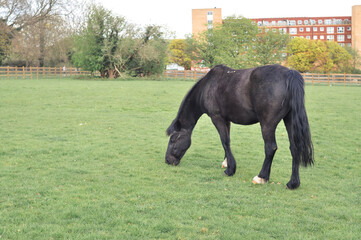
(223, 127)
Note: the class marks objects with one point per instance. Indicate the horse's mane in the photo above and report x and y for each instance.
(175, 124)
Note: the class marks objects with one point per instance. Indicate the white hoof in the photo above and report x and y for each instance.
(224, 163)
(258, 180)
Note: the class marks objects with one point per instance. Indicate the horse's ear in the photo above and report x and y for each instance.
(174, 127)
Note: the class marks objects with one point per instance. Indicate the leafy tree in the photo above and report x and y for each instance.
(310, 55)
(178, 53)
(112, 46)
(270, 47)
(238, 44)
(4, 45)
(96, 45)
(341, 58)
(356, 59)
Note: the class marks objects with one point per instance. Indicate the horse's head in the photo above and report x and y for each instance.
(179, 142)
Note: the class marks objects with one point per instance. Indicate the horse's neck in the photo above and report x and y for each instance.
(190, 114)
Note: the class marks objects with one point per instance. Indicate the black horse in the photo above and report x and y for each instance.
(264, 94)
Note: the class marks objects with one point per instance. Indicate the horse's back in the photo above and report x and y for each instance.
(270, 97)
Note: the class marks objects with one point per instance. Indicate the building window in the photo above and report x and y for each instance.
(342, 44)
(330, 37)
(308, 37)
(313, 22)
(273, 23)
(348, 28)
(348, 44)
(315, 29)
(308, 29)
(299, 22)
(301, 29)
(283, 30)
(322, 37)
(314, 37)
(340, 29)
(259, 23)
(348, 36)
(209, 13)
(293, 30)
(330, 30)
(292, 23)
(306, 22)
(210, 24)
(322, 29)
(265, 23)
(328, 21)
(340, 38)
(320, 21)
(282, 23)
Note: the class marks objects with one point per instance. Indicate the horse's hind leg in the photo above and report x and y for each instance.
(223, 129)
(295, 177)
(224, 163)
(270, 145)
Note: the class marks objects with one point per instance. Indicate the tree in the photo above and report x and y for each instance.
(26, 21)
(312, 55)
(270, 47)
(238, 44)
(96, 45)
(178, 53)
(356, 59)
(112, 46)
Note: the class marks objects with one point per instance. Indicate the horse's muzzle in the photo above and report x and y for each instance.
(171, 160)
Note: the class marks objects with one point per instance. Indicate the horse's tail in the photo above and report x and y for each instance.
(301, 135)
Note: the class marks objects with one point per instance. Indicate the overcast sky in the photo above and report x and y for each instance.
(177, 15)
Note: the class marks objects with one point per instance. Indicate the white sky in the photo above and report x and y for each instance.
(177, 15)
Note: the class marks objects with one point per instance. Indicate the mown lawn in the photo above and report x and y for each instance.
(85, 160)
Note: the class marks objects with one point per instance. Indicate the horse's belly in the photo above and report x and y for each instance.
(243, 118)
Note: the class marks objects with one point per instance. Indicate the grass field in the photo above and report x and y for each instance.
(85, 160)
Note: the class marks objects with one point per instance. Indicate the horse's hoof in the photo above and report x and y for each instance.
(258, 180)
(229, 172)
(224, 163)
(292, 185)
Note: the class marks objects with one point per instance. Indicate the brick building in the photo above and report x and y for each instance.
(336, 29)
(345, 30)
(202, 19)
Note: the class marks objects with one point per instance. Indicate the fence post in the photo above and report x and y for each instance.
(49, 72)
(8, 72)
(23, 72)
(43, 72)
(37, 73)
(344, 79)
(16, 72)
(312, 79)
(328, 79)
(31, 73)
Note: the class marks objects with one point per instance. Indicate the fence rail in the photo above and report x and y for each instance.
(39, 72)
(48, 72)
(314, 78)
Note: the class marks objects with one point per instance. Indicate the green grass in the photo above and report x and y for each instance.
(85, 160)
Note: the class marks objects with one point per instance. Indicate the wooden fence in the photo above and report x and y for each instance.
(49, 72)
(39, 72)
(314, 78)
